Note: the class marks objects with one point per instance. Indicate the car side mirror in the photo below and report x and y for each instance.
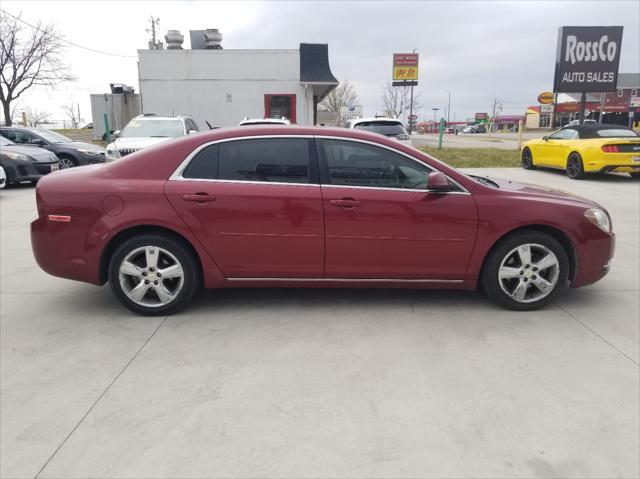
(115, 134)
(438, 182)
(545, 138)
(192, 132)
(37, 142)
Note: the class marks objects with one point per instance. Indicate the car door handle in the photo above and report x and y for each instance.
(346, 203)
(199, 198)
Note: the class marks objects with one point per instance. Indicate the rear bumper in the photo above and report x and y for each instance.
(59, 249)
(594, 260)
(635, 168)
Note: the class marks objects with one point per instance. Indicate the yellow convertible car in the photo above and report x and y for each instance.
(583, 149)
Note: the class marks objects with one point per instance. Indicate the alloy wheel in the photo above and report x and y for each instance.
(529, 273)
(151, 276)
(66, 163)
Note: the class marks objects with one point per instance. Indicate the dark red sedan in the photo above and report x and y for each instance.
(310, 207)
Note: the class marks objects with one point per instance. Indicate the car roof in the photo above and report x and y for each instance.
(152, 116)
(589, 130)
(381, 120)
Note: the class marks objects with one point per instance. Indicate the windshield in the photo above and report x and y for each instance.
(138, 128)
(52, 136)
(5, 141)
(616, 133)
(387, 128)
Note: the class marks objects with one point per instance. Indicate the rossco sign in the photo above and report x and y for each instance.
(587, 59)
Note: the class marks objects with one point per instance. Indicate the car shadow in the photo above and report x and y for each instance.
(601, 177)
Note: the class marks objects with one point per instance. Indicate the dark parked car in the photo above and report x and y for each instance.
(475, 129)
(292, 206)
(71, 153)
(25, 163)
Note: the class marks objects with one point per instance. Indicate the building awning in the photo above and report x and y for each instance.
(315, 70)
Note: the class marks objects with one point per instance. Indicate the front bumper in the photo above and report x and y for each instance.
(594, 260)
(84, 159)
(21, 172)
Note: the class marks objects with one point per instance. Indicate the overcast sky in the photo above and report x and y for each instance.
(476, 50)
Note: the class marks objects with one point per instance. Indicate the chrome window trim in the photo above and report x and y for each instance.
(351, 280)
(177, 174)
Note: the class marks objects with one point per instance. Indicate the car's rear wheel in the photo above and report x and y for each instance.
(575, 167)
(153, 274)
(527, 160)
(526, 271)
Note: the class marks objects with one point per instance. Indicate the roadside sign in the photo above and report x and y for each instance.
(546, 108)
(545, 98)
(405, 67)
(413, 117)
(634, 101)
(587, 59)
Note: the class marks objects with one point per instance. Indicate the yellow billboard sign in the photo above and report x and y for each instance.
(405, 67)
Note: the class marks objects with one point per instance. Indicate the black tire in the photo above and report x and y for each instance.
(491, 283)
(527, 159)
(191, 278)
(575, 167)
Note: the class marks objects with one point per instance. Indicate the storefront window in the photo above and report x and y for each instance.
(545, 121)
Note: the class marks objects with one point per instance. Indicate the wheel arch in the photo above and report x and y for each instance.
(132, 231)
(555, 233)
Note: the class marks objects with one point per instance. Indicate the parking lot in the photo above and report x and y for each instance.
(322, 383)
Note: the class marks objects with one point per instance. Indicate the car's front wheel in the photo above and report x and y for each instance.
(153, 274)
(66, 162)
(526, 271)
(527, 160)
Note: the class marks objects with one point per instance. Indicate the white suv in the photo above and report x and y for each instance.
(389, 127)
(149, 129)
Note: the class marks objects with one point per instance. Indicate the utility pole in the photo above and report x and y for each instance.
(435, 112)
(79, 119)
(449, 108)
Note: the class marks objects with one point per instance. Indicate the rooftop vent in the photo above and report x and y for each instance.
(174, 40)
(213, 39)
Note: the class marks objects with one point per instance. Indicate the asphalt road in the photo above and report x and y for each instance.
(321, 383)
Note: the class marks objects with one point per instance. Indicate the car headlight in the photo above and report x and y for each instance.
(599, 218)
(18, 156)
(112, 152)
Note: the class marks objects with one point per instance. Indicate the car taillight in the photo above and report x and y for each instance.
(610, 149)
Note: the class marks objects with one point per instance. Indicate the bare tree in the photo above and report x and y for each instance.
(27, 59)
(36, 117)
(396, 100)
(72, 113)
(343, 95)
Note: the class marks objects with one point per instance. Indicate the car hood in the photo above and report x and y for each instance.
(80, 145)
(542, 192)
(138, 143)
(38, 154)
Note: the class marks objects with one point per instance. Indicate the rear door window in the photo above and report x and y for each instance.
(269, 160)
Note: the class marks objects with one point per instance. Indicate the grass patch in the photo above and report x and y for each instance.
(475, 157)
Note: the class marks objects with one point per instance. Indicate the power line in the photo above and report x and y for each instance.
(67, 41)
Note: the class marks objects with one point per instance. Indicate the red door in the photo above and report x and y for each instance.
(381, 223)
(281, 105)
(254, 206)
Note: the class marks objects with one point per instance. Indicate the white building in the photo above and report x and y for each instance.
(222, 87)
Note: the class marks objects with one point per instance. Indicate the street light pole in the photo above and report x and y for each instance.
(435, 112)
(449, 108)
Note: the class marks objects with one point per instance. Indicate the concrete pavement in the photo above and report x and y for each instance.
(321, 383)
